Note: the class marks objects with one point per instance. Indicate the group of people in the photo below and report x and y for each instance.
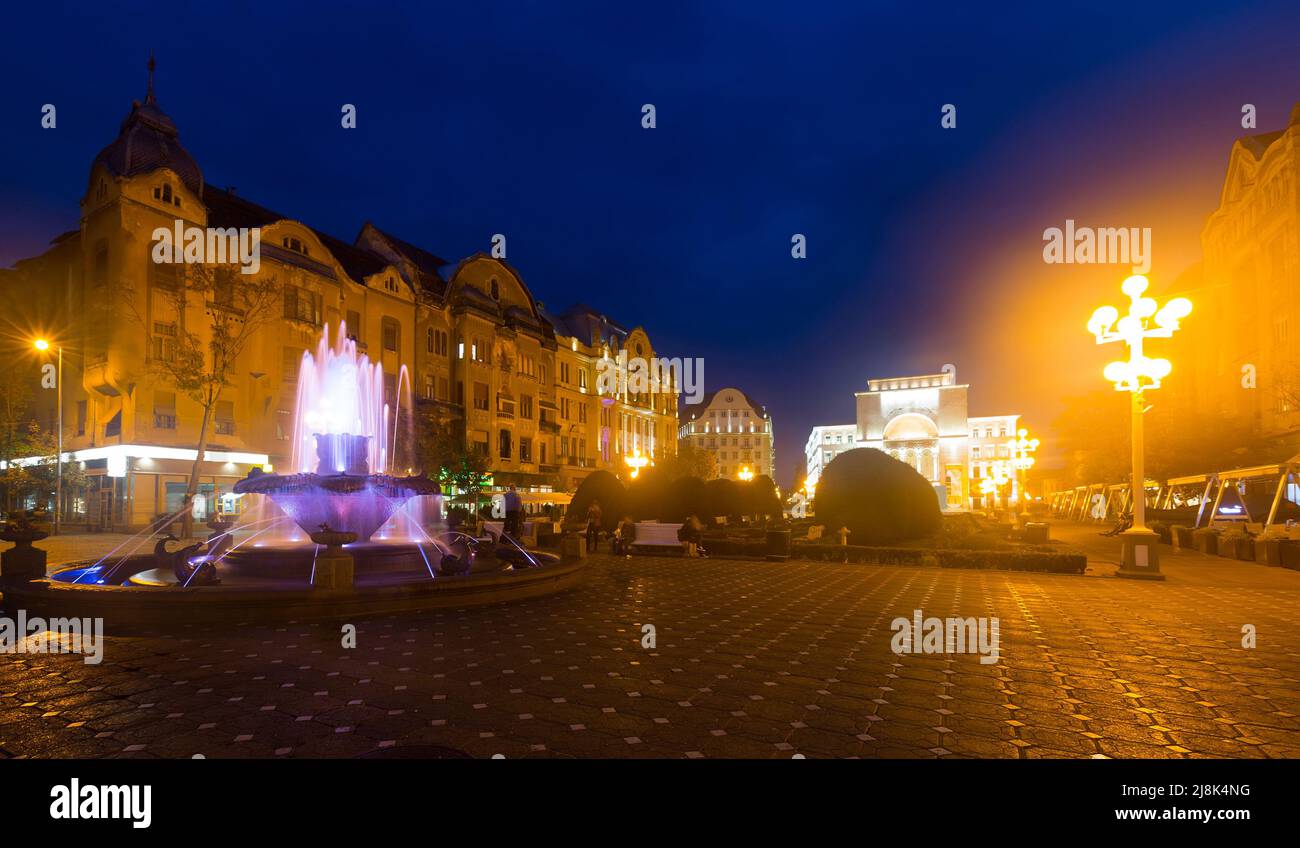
(623, 537)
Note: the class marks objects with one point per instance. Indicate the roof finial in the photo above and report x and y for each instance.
(149, 95)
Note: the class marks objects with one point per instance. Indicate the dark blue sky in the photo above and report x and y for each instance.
(924, 244)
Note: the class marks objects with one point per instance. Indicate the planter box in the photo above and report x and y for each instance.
(1162, 530)
(1182, 537)
(1290, 549)
(1269, 551)
(1206, 541)
(1237, 547)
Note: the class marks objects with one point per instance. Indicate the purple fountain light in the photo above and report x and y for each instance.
(341, 431)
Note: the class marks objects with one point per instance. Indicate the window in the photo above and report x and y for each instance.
(99, 274)
(480, 395)
(390, 284)
(392, 334)
(163, 193)
(164, 410)
(525, 450)
(441, 342)
(162, 275)
(390, 391)
(428, 340)
(225, 420)
(526, 406)
(81, 418)
(354, 325)
(582, 379)
(503, 444)
(290, 362)
(564, 373)
(582, 413)
(496, 289)
(164, 341)
(302, 305)
(295, 245)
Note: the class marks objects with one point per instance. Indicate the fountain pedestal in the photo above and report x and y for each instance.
(334, 568)
(22, 561)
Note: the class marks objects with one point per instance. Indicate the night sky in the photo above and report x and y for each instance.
(924, 244)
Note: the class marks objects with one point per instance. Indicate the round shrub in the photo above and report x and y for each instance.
(686, 496)
(880, 499)
(647, 494)
(598, 486)
(760, 497)
(722, 498)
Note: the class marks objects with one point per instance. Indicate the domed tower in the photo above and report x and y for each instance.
(142, 181)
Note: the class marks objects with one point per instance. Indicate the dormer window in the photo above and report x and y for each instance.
(390, 283)
(163, 194)
(496, 289)
(295, 245)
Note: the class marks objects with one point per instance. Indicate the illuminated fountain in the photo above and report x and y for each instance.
(343, 428)
(340, 522)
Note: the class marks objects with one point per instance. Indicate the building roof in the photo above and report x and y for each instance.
(226, 209)
(147, 141)
(692, 408)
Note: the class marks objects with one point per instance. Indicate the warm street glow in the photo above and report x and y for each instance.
(745, 474)
(42, 344)
(1143, 321)
(635, 462)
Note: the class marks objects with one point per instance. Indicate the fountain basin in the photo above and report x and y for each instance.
(351, 503)
(126, 608)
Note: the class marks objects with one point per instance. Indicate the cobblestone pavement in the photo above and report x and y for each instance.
(751, 659)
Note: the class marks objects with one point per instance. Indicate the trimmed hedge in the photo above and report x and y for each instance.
(1028, 558)
(880, 499)
(598, 486)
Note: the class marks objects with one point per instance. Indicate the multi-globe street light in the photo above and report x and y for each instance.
(1020, 449)
(1140, 373)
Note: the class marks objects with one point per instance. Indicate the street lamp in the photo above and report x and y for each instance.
(43, 345)
(1145, 320)
(636, 462)
(1021, 447)
(745, 474)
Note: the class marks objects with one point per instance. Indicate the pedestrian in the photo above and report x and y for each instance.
(514, 512)
(593, 526)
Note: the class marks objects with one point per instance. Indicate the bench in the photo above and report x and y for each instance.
(653, 535)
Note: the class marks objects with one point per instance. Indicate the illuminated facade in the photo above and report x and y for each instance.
(922, 421)
(1243, 365)
(735, 429)
(466, 339)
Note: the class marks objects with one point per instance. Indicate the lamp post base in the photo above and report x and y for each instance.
(1141, 560)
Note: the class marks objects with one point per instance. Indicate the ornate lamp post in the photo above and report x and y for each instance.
(635, 462)
(745, 474)
(43, 345)
(1145, 320)
(1021, 448)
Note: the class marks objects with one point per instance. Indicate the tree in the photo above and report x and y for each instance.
(444, 456)
(205, 354)
(689, 461)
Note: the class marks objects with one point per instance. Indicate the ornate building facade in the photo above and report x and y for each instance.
(922, 421)
(1236, 357)
(735, 429)
(466, 341)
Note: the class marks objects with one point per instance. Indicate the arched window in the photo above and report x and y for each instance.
(428, 340)
(496, 289)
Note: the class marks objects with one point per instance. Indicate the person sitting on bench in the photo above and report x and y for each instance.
(625, 537)
(690, 534)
